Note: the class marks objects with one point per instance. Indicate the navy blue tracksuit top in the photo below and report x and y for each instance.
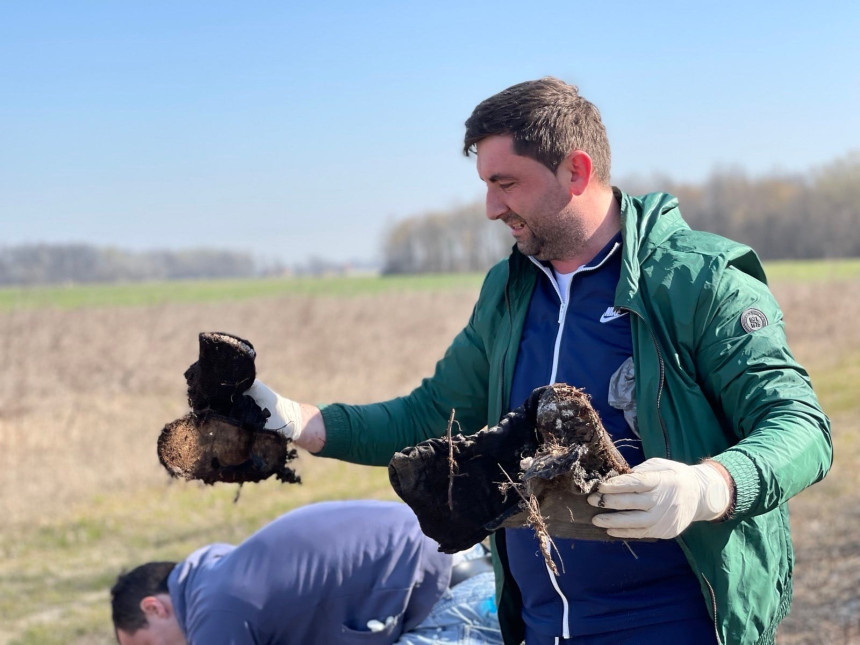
(604, 586)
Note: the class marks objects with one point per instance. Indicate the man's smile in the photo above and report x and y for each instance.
(515, 223)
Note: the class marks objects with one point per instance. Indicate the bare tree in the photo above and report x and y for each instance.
(461, 240)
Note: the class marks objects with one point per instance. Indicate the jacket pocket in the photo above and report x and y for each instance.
(622, 393)
(388, 634)
(378, 619)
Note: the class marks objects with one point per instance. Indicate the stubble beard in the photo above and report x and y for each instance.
(561, 239)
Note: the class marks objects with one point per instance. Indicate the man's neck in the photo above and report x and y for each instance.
(608, 223)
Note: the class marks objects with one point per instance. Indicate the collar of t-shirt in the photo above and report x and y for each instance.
(563, 280)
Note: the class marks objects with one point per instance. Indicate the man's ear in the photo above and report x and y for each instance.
(577, 166)
(153, 606)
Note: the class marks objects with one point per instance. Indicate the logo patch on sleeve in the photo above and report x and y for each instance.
(753, 319)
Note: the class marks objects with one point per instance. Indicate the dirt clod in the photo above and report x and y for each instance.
(223, 438)
(576, 454)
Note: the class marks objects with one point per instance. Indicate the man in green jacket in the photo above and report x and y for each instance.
(681, 346)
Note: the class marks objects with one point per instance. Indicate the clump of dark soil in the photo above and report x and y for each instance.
(223, 438)
(575, 455)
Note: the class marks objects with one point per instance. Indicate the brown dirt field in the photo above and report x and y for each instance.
(84, 394)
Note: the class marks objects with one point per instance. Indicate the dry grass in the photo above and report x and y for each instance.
(84, 394)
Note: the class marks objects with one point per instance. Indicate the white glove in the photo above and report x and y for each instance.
(660, 499)
(285, 414)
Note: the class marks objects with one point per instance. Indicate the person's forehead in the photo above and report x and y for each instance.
(497, 159)
(495, 145)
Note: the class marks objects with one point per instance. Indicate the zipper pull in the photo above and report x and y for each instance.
(561, 311)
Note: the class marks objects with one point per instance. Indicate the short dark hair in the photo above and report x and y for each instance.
(130, 588)
(547, 119)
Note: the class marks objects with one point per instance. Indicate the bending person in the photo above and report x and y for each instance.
(330, 572)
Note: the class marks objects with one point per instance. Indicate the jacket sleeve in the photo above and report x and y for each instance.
(370, 434)
(782, 435)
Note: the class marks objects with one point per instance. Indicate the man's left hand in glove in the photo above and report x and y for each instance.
(661, 498)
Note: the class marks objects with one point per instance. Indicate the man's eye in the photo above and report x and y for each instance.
(506, 186)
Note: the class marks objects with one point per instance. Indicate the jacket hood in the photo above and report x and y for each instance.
(646, 222)
(652, 225)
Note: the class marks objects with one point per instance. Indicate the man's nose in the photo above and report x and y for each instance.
(495, 206)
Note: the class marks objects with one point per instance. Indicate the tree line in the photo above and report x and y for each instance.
(782, 216)
(808, 215)
(33, 264)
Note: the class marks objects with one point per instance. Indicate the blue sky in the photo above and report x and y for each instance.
(297, 130)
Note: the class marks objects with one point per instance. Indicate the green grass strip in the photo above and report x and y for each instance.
(813, 270)
(155, 293)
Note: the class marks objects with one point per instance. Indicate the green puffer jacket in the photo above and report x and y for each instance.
(705, 387)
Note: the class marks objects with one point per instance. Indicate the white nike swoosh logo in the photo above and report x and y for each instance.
(611, 313)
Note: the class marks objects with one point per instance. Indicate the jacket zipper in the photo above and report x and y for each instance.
(667, 448)
(711, 593)
(562, 315)
(713, 608)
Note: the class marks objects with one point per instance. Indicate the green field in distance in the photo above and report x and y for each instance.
(152, 293)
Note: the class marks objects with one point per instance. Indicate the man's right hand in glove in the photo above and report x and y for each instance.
(300, 422)
(660, 498)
